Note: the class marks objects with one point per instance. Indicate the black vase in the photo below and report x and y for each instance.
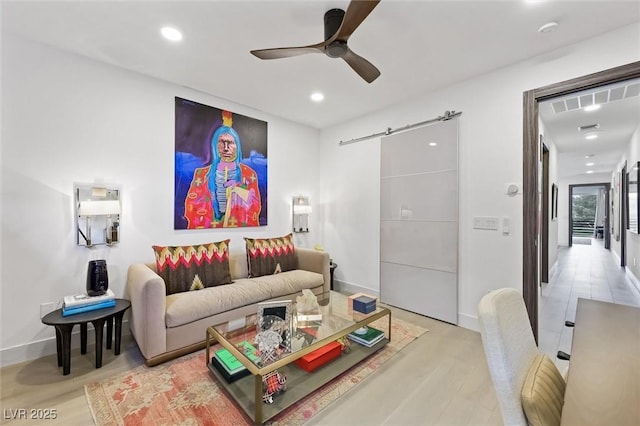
(97, 278)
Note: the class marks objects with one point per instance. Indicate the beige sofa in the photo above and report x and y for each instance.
(166, 327)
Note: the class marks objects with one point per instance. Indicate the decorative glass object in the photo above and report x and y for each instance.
(273, 331)
(275, 316)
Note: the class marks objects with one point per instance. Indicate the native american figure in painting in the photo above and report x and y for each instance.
(224, 194)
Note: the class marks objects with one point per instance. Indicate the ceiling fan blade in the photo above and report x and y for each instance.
(287, 52)
(356, 12)
(364, 68)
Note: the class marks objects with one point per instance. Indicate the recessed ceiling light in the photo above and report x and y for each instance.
(432, 144)
(589, 172)
(589, 156)
(171, 33)
(590, 164)
(593, 107)
(548, 27)
(591, 136)
(317, 97)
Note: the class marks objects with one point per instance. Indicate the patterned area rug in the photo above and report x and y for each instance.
(183, 391)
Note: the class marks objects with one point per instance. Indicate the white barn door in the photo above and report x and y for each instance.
(419, 220)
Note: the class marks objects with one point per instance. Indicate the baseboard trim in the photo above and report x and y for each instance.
(469, 322)
(345, 287)
(38, 349)
(632, 278)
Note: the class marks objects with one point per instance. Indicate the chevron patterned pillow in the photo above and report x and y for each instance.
(271, 256)
(188, 268)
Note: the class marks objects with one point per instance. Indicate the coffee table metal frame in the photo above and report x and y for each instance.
(237, 389)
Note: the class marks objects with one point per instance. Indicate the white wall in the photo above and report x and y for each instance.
(68, 119)
(490, 158)
(553, 178)
(631, 157)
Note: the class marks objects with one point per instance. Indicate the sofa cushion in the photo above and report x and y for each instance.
(183, 308)
(270, 256)
(290, 282)
(185, 268)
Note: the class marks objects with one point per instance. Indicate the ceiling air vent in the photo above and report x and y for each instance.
(607, 95)
(632, 90)
(559, 107)
(589, 128)
(616, 94)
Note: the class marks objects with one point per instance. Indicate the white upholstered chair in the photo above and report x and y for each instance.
(512, 353)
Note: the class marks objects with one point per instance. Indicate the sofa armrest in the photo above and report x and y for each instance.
(315, 261)
(147, 293)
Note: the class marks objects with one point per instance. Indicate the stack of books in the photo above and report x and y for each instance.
(368, 337)
(229, 366)
(80, 303)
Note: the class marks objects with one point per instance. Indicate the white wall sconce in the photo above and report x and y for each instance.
(97, 215)
(301, 212)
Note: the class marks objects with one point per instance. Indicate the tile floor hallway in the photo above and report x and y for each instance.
(587, 271)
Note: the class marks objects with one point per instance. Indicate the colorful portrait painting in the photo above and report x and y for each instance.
(220, 168)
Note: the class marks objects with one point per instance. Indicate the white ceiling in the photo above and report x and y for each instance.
(417, 45)
(618, 118)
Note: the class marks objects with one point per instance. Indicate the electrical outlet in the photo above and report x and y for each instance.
(45, 308)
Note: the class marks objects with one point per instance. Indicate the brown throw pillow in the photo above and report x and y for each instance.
(542, 393)
(271, 256)
(186, 268)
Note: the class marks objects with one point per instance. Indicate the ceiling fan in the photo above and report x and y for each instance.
(338, 27)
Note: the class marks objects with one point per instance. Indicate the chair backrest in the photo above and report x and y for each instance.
(509, 346)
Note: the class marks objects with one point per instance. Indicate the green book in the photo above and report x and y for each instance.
(230, 363)
(369, 336)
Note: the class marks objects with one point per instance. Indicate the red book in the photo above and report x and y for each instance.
(319, 357)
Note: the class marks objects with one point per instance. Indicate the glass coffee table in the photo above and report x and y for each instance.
(338, 320)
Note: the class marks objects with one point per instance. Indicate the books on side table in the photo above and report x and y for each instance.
(79, 303)
(367, 336)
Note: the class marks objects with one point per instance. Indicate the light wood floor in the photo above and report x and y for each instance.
(441, 378)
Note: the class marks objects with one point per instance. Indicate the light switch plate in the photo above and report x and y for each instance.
(485, 222)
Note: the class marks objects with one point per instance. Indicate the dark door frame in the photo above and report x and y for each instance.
(624, 214)
(530, 231)
(605, 231)
(544, 236)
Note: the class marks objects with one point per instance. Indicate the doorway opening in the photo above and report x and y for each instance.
(589, 214)
(531, 160)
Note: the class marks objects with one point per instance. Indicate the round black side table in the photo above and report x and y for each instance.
(64, 326)
(332, 267)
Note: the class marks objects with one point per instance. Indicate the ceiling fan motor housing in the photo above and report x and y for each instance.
(332, 21)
